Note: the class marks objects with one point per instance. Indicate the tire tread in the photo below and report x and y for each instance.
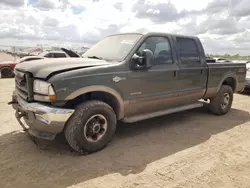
(214, 106)
(78, 116)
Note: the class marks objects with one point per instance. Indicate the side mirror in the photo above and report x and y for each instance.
(144, 61)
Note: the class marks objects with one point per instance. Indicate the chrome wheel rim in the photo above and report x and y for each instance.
(95, 128)
(225, 101)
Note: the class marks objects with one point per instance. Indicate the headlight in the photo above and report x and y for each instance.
(42, 87)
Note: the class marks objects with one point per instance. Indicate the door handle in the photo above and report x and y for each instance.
(174, 73)
(201, 71)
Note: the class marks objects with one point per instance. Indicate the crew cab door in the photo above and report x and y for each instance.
(155, 88)
(193, 70)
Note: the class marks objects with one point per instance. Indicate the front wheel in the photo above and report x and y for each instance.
(222, 102)
(6, 72)
(91, 127)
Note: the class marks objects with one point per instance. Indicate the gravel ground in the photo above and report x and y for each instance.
(188, 149)
(7, 57)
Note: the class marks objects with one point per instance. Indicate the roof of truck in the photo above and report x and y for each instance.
(155, 33)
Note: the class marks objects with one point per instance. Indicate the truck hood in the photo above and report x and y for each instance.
(46, 67)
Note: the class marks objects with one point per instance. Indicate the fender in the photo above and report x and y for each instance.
(228, 75)
(6, 66)
(100, 88)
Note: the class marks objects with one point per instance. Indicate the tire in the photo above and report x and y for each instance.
(6, 72)
(218, 104)
(80, 131)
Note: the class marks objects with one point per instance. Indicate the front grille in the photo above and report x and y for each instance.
(23, 85)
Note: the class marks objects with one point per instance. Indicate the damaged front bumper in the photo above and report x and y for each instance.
(43, 121)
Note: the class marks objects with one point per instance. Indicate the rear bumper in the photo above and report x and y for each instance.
(43, 121)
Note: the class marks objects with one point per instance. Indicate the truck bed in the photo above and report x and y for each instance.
(218, 71)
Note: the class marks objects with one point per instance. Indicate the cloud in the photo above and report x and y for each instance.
(45, 4)
(240, 8)
(157, 12)
(212, 25)
(221, 24)
(14, 3)
(118, 5)
(50, 22)
(217, 6)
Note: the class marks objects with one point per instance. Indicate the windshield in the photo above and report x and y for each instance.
(113, 48)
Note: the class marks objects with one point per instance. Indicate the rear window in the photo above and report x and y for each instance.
(49, 55)
(189, 53)
(60, 55)
(187, 45)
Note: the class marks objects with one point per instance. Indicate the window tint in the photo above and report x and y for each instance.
(160, 47)
(31, 59)
(187, 45)
(49, 55)
(60, 55)
(189, 53)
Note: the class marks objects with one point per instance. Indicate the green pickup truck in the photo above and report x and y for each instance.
(124, 77)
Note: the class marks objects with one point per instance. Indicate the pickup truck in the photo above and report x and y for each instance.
(125, 77)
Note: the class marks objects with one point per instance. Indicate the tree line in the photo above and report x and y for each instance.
(229, 56)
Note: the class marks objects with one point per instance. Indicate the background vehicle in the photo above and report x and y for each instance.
(210, 60)
(125, 77)
(7, 67)
(247, 81)
(221, 60)
(54, 54)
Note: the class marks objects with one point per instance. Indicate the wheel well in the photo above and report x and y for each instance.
(230, 82)
(97, 95)
(5, 67)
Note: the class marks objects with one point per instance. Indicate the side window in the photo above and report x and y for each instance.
(60, 55)
(160, 47)
(32, 59)
(189, 53)
(49, 55)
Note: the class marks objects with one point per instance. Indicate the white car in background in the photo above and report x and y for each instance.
(247, 82)
(222, 60)
(7, 67)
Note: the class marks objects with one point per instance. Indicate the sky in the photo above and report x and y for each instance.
(222, 25)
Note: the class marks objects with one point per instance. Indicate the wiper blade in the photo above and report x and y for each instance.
(95, 57)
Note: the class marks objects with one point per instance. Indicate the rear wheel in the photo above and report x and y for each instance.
(222, 102)
(91, 127)
(6, 72)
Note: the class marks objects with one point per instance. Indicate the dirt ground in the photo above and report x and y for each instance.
(7, 57)
(188, 149)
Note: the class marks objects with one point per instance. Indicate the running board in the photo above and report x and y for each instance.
(133, 119)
